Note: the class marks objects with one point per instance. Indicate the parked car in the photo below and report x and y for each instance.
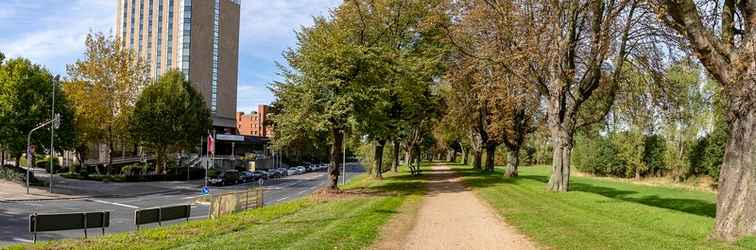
(274, 173)
(283, 171)
(309, 168)
(228, 177)
(247, 176)
(301, 169)
(292, 171)
(263, 174)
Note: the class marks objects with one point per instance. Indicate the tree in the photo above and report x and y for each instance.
(107, 84)
(25, 101)
(318, 90)
(169, 114)
(724, 45)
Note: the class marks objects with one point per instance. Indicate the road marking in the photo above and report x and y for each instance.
(23, 240)
(114, 203)
(198, 217)
(281, 199)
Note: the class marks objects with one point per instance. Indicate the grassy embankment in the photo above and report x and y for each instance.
(600, 213)
(349, 221)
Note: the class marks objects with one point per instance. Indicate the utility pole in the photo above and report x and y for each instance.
(52, 133)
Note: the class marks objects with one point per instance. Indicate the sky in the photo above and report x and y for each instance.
(51, 33)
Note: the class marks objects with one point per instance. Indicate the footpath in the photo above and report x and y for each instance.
(452, 217)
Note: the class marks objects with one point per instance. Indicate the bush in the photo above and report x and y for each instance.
(653, 154)
(18, 175)
(596, 156)
(707, 153)
(624, 154)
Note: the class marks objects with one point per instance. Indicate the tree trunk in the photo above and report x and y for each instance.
(465, 153)
(408, 157)
(477, 159)
(379, 158)
(454, 156)
(396, 156)
(513, 162)
(736, 201)
(560, 176)
(18, 160)
(490, 157)
(2, 157)
(333, 170)
(417, 163)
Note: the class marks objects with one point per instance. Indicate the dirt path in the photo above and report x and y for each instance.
(452, 217)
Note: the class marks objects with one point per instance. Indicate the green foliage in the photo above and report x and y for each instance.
(707, 153)
(170, 114)
(624, 154)
(25, 101)
(597, 156)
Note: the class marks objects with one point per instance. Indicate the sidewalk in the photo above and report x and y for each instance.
(64, 188)
(452, 217)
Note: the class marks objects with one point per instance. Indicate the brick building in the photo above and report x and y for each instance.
(255, 123)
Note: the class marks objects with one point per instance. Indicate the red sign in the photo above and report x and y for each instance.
(210, 144)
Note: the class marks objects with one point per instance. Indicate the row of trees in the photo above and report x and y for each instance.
(368, 71)
(482, 73)
(108, 98)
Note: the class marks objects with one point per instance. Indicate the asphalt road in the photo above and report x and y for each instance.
(14, 215)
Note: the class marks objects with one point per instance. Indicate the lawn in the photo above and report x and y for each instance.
(351, 221)
(601, 214)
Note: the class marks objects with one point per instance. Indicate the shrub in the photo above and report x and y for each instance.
(596, 156)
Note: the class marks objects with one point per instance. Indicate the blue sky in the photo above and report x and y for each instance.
(51, 33)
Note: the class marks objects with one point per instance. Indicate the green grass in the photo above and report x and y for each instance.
(345, 222)
(601, 214)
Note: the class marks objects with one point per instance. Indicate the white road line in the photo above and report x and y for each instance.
(22, 240)
(114, 203)
(281, 199)
(198, 217)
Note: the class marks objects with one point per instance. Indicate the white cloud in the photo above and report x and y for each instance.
(251, 95)
(263, 21)
(52, 33)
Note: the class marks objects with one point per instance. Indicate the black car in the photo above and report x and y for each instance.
(263, 174)
(247, 176)
(228, 177)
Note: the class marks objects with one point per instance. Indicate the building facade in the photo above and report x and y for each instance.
(198, 37)
(255, 123)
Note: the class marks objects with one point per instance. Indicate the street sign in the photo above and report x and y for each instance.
(205, 190)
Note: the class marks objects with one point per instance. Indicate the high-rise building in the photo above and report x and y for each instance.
(198, 37)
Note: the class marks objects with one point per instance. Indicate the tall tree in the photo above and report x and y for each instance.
(169, 115)
(725, 46)
(110, 78)
(26, 91)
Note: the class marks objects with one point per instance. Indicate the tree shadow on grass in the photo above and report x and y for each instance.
(691, 206)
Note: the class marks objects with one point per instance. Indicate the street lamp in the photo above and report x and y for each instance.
(29, 160)
(52, 130)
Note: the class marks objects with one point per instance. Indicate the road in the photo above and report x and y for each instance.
(14, 215)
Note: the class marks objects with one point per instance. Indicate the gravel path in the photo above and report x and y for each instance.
(452, 217)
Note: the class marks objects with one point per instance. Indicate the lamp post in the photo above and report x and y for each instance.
(29, 160)
(52, 131)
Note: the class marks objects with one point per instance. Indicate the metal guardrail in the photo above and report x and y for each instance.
(161, 214)
(228, 203)
(73, 221)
